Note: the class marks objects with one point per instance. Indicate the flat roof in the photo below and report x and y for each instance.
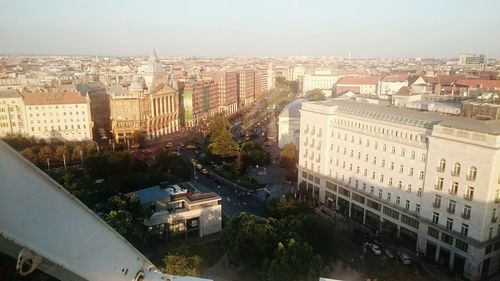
(408, 117)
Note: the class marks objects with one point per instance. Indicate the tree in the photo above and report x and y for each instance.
(289, 160)
(45, 153)
(61, 152)
(216, 125)
(179, 263)
(175, 166)
(249, 240)
(281, 208)
(125, 213)
(294, 260)
(29, 154)
(315, 95)
(77, 153)
(223, 145)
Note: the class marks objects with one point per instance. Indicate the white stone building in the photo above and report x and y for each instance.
(289, 124)
(180, 213)
(12, 113)
(321, 81)
(58, 115)
(428, 182)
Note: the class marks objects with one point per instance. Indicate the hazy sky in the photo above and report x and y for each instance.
(376, 28)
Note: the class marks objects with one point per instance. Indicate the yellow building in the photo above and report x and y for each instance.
(150, 104)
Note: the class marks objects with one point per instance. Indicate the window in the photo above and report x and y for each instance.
(471, 175)
(407, 205)
(365, 172)
(372, 189)
(398, 200)
(373, 175)
(469, 193)
(390, 181)
(374, 160)
(412, 155)
(456, 169)
(357, 169)
(419, 192)
(379, 193)
(417, 208)
(467, 212)
(401, 168)
(453, 188)
(439, 183)
(382, 164)
(381, 178)
(403, 152)
(366, 157)
(359, 155)
(437, 201)
(461, 245)
(410, 172)
(435, 218)
(449, 223)
(421, 175)
(400, 184)
(408, 188)
(389, 196)
(391, 167)
(384, 148)
(393, 150)
(447, 238)
(464, 231)
(433, 232)
(441, 166)
(451, 207)
(497, 196)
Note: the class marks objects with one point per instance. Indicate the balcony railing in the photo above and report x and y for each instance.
(494, 219)
(466, 216)
(455, 173)
(470, 178)
(450, 210)
(438, 187)
(468, 197)
(452, 191)
(440, 169)
(436, 205)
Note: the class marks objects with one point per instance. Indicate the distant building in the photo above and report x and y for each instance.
(366, 85)
(472, 61)
(246, 87)
(200, 101)
(319, 80)
(484, 110)
(58, 115)
(227, 84)
(179, 213)
(99, 107)
(289, 124)
(12, 113)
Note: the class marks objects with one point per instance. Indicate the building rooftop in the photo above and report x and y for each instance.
(407, 116)
(6, 94)
(350, 80)
(44, 98)
(291, 110)
(173, 192)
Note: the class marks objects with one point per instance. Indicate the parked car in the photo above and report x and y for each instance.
(377, 242)
(374, 248)
(389, 253)
(404, 258)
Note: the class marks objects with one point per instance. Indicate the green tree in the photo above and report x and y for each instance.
(315, 95)
(294, 260)
(223, 145)
(61, 152)
(175, 166)
(248, 240)
(77, 153)
(29, 154)
(45, 153)
(216, 125)
(126, 214)
(281, 208)
(179, 263)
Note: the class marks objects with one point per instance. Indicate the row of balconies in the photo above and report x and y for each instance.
(464, 215)
(453, 173)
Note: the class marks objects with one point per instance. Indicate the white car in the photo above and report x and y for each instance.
(375, 249)
(404, 258)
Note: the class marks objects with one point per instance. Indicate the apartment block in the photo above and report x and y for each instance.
(428, 181)
(227, 83)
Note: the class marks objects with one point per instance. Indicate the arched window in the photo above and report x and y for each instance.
(456, 169)
(442, 165)
(471, 175)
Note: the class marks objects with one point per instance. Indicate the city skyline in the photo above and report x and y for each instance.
(257, 29)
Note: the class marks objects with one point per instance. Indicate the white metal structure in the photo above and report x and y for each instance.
(45, 227)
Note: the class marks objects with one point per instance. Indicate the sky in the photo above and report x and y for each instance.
(251, 28)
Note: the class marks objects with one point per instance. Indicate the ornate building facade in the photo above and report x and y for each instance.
(149, 105)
